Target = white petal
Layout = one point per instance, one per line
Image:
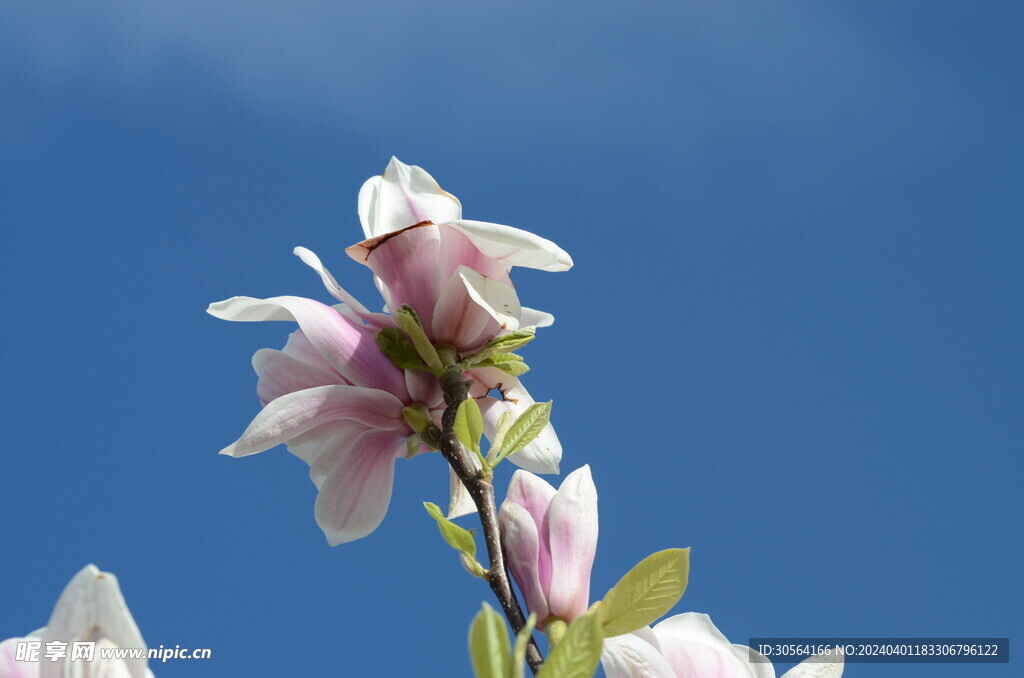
(460, 503)
(515, 246)
(818, 666)
(532, 317)
(90, 608)
(313, 261)
(407, 195)
(472, 309)
(630, 656)
(544, 453)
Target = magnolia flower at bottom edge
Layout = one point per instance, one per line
(690, 646)
(91, 609)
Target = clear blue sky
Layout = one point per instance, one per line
(792, 339)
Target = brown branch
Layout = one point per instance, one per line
(455, 391)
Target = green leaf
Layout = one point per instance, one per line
(397, 348)
(512, 340)
(519, 650)
(500, 431)
(459, 538)
(413, 328)
(488, 645)
(469, 424)
(527, 427)
(647, 591)
(509, 363)
(506, 343)
(579, 651)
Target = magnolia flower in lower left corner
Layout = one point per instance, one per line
(90, 634)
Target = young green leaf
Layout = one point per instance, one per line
(509, 363)
(397, 348)
(488, 645)
(512, 340)
(469, 424)
(410, 324)
(500, 431)
(527, 427)
(458, 538)
(519, 649)
(646, 592)
(579, 651)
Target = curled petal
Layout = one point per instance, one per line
(630, 656)
(348, 347)
(313, 261)
(572, 524)
(354, 496)
(296, 413)
(457, 250)
(280, 374)
(403, 196)
(472, 309)
(520, 535)
(515, 246)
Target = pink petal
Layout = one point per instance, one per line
(280, 374)
(424, 388)
(298, 347)
(296, 413)
(349, 348)
(321, 447)
(534, 495)
(694, 646)
(406, 263)
(10, 667)
(572, 522)
(523, 549)
(354, 496)
(630, 656)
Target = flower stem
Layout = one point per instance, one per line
(455, 391)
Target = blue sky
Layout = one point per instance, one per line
(791, 339)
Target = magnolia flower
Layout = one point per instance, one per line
(455, 274)
(90, 610)
(551, 538)
(690, 646)
(333, 397)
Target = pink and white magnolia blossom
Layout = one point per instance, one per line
(690, 646)
(337, 401)
(455, 274)
(551, 538)
(91, 609)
